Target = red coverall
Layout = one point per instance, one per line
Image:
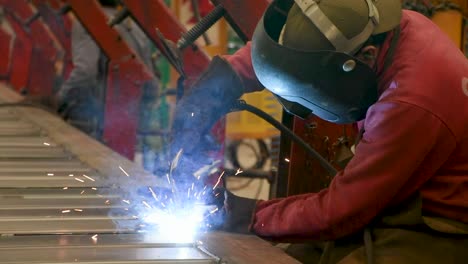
(415, 140)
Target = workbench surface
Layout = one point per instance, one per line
(54, 192)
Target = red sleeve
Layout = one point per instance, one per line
(403, 146)
(241, 61)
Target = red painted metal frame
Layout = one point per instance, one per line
(126, 75)
(7, 40)
(152, 14)
(39, 78)
(60, 25)
(243, 15)
(18, 75)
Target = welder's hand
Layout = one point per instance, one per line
(209, 99)
(239, 212)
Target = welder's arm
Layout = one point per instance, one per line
(401, 149)
(210, 98)
(85, 55)
(241, 61)
(212, 95)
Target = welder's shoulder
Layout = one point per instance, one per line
(437, 83)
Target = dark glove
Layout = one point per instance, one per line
(234, 213)
(239, 212)
(210, 98)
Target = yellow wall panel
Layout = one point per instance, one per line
(451, 22)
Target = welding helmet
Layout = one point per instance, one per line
(303, 51)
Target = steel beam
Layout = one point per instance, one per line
(154, 14)
(40, 75)
(126, 76)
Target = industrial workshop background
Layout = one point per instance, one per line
(36, 48)
(128, 123)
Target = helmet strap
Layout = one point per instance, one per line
(311, 9)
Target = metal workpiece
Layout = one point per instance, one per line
(83, 203)
(77, 225)
(41, 152)
(18, 132)
(58, 193)
(48, 178)
(65, 198)
(16, 124)
(43, 166)
(127, 255)
(15, 141)
(8, 117)
(87, 241)
(97, 248)
(74, 212)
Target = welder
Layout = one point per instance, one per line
(405, 84)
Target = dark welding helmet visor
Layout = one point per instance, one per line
(332, 85)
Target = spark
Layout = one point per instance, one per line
(65, 188)
(94, 188)
(71, 175)
(78, 179)
(193, 185)
(107, 202)
(219, 180)
(46, 144)
(239, 171)
(286, 159)
(78, 210)
(200, 242)
(163, 205)
(94, 238)
(214, 210)
(50, 174)
(180, 224)
(146, 204)
(124, 171)
(65, 211)
(216, 195)
(188, 193)
(193, 114)
(126, 201)
(89, 178)
(83, 191)
(126, 209)
(168, 178)
(153, 194)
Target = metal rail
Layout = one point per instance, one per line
(56, 207)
